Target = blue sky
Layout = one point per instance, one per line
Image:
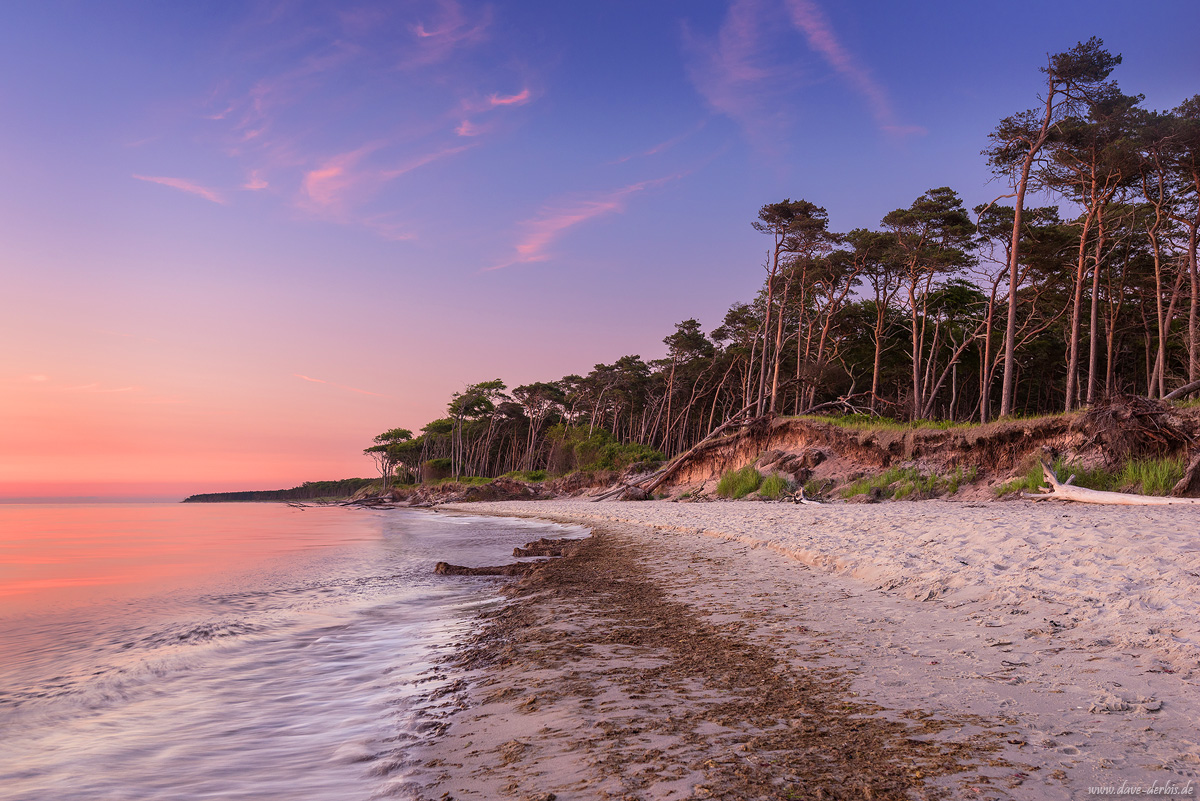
(266, 231)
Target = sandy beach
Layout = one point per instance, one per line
(901, 650)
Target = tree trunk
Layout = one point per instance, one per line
(1094, 321)
(1076, 307)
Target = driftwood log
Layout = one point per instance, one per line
(1066, 491)
(1186, 389)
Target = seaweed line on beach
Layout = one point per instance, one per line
(647, 699)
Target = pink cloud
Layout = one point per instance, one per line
(663, 146)
(255, 182)
(338, 188)
(811, 21)
(519, 99)
(730, 74)
(328, 186)
(468, 128)
(542, 231)
(450, 29)
(339, 386)
(421, 161)
(389, 229)
(183, 186)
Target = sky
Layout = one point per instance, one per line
(239, 239)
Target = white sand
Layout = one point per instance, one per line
(1126, 575)
(1077, 625)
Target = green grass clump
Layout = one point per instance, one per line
(899, 483)
(739, 483)
(1142, 476)
(773, 487)
(817, 489)
(865, 422)
(464, 480)
(959, 477)
(530, 476)
(1152, 476)
(882, 482)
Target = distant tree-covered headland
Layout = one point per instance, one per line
(941, 312)
(308, 491)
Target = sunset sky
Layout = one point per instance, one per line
(237, 240)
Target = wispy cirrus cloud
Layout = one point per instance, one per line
(747, 71)
(446, 30)
(542, 231)
(662, 146)
(183, 186)
(421, 161)
(734, 73)
(338, 386)
(328, 186)
(519, 99)
(341, 182)
(255, 182)
(807, 16)
(468, 128)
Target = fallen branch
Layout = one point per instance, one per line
(1066, 491)
(1183, 391)
(799, 497)
(657, 478)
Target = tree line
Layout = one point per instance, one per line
(938, 312)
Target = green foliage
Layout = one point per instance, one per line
(1151, 476)
(774, 486)
(598, 450)
(531, 476)
(739, 483)
(308, 491)
(900, 483)
(1141, 476)
(865, 422)
(468, 481)
(959, 477)
(817, 489)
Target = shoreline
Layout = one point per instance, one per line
(575, 690)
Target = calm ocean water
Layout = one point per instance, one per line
(233, 651)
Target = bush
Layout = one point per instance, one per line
(739, 483)
(774, 487)
(435, 469)
(573, 448)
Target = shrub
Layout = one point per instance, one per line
(573, 448)
(739, 483)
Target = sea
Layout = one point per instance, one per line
(231, 651)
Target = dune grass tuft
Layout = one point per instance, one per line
(739, 483)
(773, 487)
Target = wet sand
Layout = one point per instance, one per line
(655, 663)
